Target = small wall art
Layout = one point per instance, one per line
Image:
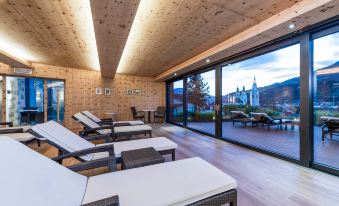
(98, 91)
(107, 91)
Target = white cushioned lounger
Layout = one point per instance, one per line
(98, 120)
(71, 142)
(29, 178)
(123, 129)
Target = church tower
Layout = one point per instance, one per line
(243, 96)
(254, 94)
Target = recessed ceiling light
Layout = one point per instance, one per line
(291, 26)
(175, 74)
(207, 60)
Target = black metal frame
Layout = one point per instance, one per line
(303, 37)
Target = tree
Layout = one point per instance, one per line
(197, 91)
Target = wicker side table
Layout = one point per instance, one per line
(140, 158)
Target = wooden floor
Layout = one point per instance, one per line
(284, 142)
(262, 180)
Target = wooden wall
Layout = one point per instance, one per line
(80, 91)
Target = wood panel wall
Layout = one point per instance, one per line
(80, 91)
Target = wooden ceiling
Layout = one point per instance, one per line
(170, 32)
(150, 38)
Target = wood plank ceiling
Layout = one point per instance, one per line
(144, 39)
(170, 32)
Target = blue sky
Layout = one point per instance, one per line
(277, 66)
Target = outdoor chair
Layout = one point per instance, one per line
(109, 121)
(137, 115)
(160, 114)
(240, 116)
(114, 131)
(264, 119)
(68, 142)
(29, 178)
(330, 125)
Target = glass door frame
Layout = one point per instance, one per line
(312, 36)
(304, 38)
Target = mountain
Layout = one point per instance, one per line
(178, 91)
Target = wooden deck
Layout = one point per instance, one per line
(284, 142)
(262, 180)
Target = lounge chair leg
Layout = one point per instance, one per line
(173, 155)
(39, 142)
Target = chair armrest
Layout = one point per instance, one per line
(102, 162)
(103, 148)
(106, 119)
(9, 124)
(110, 201)
(106, 137)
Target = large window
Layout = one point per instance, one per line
(201, 101)
(56, 104)
(176, 100)
(326, 100)
(24, 100)
(260, 98)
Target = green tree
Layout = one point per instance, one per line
(197, 91)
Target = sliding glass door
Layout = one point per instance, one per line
(176, 102)
(260, 101)
(200, 95)
(24, 100)
(56, 104)
(326, 100)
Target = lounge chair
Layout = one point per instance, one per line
(115, 132)
(18, 133)
(264, 119)
(109, 121)
(68, 142)
(29, 178)
(330, 125)
(240, 116)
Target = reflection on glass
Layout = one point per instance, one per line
(24, 100)
(261, 101)
(176, 95)
(201, 101)
(326, 100)
(55, 105)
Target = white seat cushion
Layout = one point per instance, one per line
(124, 129)
(158, 143)
(172, 183)
(135, 122)
(132, 128)
(29, 178)
(21, 137)
(92, 116)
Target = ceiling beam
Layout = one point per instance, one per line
(112, 22)
(13, 61)
(260, 32)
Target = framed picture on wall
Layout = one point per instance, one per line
(137, 92)
(129, 91)
(98, 90)
(107, 91)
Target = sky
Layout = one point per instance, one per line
(273, 67)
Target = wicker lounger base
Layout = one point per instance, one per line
(219, 199)
(115, 135)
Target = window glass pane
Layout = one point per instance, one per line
(200, 102)
(24, 100)
(260, 98)
(55, 101)
(176, 95)
(326, 100)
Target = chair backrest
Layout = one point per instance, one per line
(239, 114)
(29, 178)
(134, 111)
(87, 122)
(91, 116)
(261, 116)
(161, 110)
(64, 138)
